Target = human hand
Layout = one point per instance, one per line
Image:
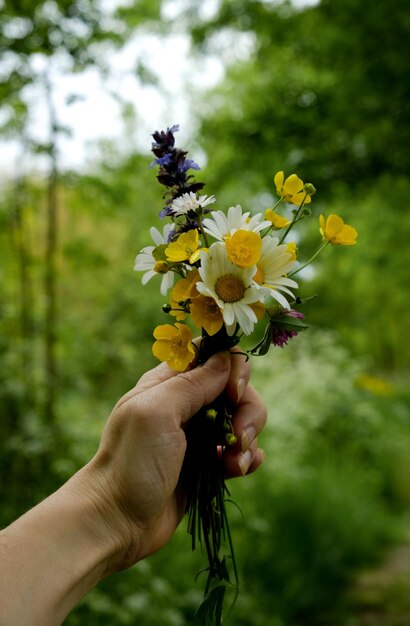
(126, 503)
(134, 475)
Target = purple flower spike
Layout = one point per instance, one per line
(173, 168)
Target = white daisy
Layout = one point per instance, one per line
(230, 286)
(221, 226)
(273, 265)
(190, 202)
(145, 261)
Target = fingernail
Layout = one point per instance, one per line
(244, 461)
(219, 361)
(248, 436)
(262, 454)
(240, 388)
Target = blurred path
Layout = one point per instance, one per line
(381, 596)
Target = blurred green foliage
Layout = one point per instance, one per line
(323, 93)
(318, 96)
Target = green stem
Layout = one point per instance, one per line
(204, 482)
(312, 258)
(296, 217)
(203, 233)
(230, 542)
(277, 204)
(267, 231)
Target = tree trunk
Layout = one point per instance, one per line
(20, 241)
(50, 273)
(26, 296)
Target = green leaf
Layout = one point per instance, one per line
(289, 323)
(209, 613)
(263, 346)
(159, 252)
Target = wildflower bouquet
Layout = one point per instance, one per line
(226, 275)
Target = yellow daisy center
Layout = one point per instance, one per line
(229, 288)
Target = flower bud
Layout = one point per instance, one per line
(309, 189)
(211, 414)
(230, 439)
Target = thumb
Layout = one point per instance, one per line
(183, 395)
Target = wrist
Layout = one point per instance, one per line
(103, 521)
(76, 533)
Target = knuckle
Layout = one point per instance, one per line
(191, 386)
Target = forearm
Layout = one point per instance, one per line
(53, 555)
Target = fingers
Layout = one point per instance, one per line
(237, 382)
(239, 377)
(243, 463)
(257, 461)
(249, 418)
(181, 396)
(248, 421)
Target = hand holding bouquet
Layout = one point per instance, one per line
(224, 274)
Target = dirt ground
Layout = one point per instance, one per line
(381, 596)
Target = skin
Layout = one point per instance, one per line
(125, 504)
